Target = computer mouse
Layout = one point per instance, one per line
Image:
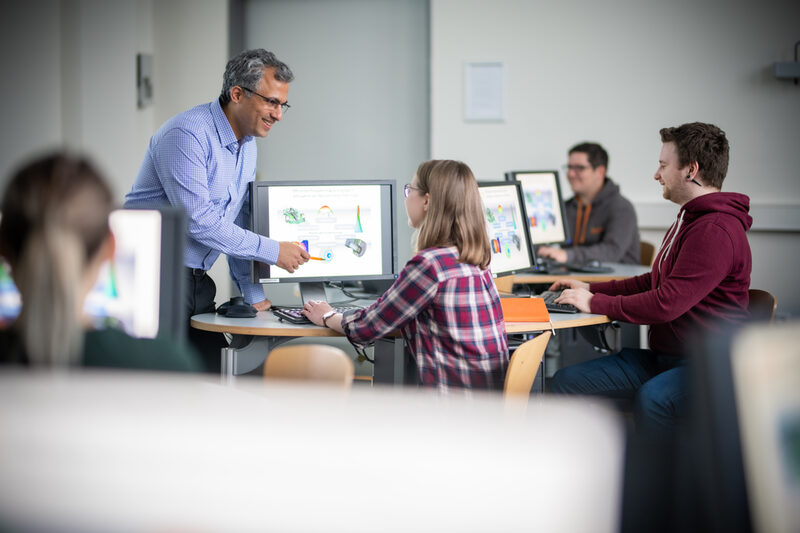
(237, 308)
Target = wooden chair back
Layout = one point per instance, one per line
(524, 365)
(504, 284)
(648, 252)
(762, 305)
(314, 362)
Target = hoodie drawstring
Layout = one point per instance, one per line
(668, 247)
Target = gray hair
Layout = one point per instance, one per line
(246, 69)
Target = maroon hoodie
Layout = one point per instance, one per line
(699, 280)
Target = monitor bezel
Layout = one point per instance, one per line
(259, 220)
(172, 320)
(527, 229)
(512, 176)
(172, 285)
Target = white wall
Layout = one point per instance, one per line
(191, 50)
(29, 82)
(360, 95)
(616, 73)
(69, 78)
(359, 98)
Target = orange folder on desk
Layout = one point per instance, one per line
(524, 310)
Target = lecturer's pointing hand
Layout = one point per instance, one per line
(291, 256)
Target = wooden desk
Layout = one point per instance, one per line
(621, 271)
(253, 338)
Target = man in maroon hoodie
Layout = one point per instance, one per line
(699, 282)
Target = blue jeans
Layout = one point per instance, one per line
(655, 383)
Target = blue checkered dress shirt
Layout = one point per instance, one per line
(195, 162)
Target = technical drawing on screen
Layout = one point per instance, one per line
(347, 227)
(507, 227)
(543, 202)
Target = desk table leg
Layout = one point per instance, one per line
(245, 354)
(228, 365)
(390, 361)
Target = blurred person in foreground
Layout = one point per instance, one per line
(54, 234)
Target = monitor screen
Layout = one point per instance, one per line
(348, 228)
(141, 289)
(543, 203)
(507, 227)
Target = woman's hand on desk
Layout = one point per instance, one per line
(579, 297)
(315, 310)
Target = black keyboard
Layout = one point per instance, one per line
(294, 315)
(549, 298)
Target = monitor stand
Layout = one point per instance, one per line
(312, 290)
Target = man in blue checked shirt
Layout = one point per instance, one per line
(202, 160)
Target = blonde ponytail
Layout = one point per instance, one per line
(55, 221)
(49, 281)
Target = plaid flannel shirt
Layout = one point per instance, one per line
(450, 317)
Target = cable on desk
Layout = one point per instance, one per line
(350, 294)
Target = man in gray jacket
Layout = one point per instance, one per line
(603, 223)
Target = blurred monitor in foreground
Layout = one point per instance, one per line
(141, 290)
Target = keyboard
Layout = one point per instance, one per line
(294, 315)
(549, 298)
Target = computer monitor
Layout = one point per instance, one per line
(544, 205)
(348, 228)
(506, 223)
(141, 290)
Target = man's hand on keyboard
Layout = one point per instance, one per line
(568, 283)
(579, 297)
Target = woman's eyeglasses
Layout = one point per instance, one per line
(407, 189)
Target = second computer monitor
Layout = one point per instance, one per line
(507, 227)
(544, 205)
(347, 227)
(141, 290)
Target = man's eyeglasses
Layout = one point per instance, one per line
(271, 102)
(576, 168)
(407, 189)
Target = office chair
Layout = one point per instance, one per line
(762, 305)
(523, 367)
(314, 362)
(648, 252)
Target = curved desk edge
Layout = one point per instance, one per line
(573, 321)
(264, 324)
(254, 326)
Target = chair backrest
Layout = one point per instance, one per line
(315, 362)
(504, 284)
(762, 305)
(524, 365)
(648, 251)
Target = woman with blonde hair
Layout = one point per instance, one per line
(54, 235)
(444, 302)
